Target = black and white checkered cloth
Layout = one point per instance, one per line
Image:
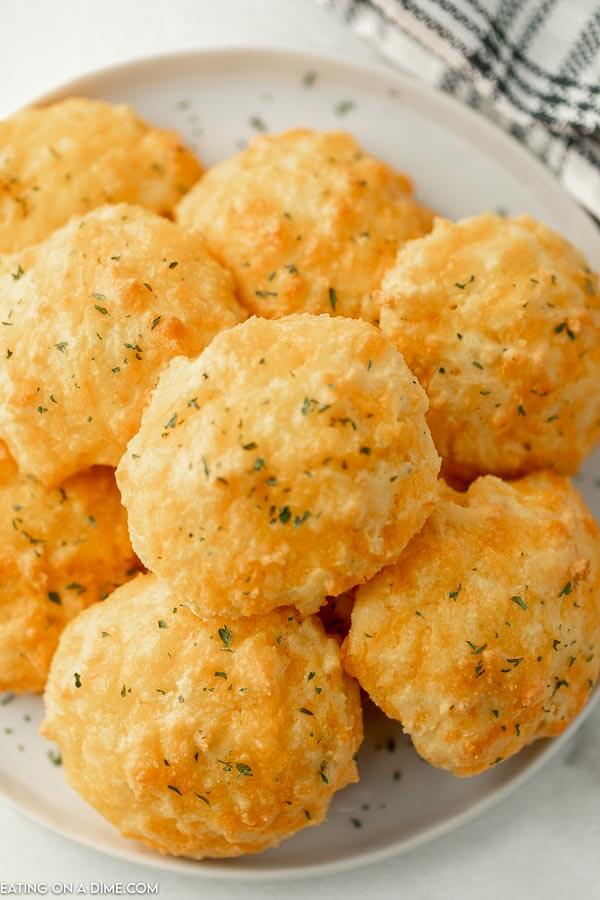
(532, 66)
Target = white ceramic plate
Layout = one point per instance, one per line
(461, 165)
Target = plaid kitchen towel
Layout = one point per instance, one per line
(532, 66)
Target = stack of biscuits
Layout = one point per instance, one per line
(271, 434)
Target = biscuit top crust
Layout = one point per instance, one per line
(224, 736)
(307, 222)
(290, 461)
(68, 158)
(500, 320)
(90, 317)
(486, 633)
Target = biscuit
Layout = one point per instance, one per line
(486, 634)
(223, 737)
(307, 222)
(72, 156)
(89, 318)
(289, 462)
(500, 321)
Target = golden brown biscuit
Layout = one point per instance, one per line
(307, 222)
(224, 737)
(500, 321)
(60, 550)
(89, 318)
(486, 634)
(68, 158)
(289, 462)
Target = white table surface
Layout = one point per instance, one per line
(542, 843)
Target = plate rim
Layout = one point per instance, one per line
(518, 158)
